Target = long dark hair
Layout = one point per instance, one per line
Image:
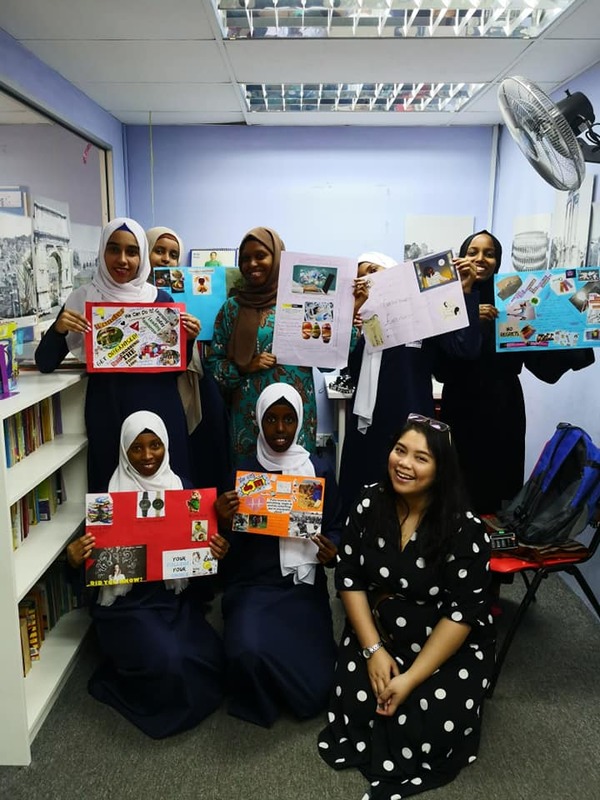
(447, 496)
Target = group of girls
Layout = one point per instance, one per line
(405, 699)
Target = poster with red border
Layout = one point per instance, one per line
(129, 337)
(279, 505)
(150, 536)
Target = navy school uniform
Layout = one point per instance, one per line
(278, 635)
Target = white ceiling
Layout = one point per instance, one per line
(139, 56)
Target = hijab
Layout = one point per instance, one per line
(368, 379)
(187, 382)
(126, 479)
(486, 288)
(297, 557)
(102, 287)
(252, 299)
(154, 234)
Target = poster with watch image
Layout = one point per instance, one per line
(150, 535)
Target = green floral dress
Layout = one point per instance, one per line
(242, 391)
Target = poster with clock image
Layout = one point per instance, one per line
(150, 535)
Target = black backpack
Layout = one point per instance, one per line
(561, 496)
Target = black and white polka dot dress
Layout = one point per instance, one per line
(435, 732)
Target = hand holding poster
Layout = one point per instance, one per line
(135, 338)
(556, 310)
(150, 536)
(314, 309)
(279, 505)
(413, 301)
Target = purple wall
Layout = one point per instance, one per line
(329, 190)
(520, 190)
(29, 77)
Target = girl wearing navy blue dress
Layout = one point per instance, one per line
(121, 277)
(278, 632)
(417, 652)
(163, 662)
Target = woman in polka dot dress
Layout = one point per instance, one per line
(417, 652)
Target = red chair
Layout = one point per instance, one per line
(540, 566)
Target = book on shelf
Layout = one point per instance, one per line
(38, 505)
(25, 653)
(28, 429)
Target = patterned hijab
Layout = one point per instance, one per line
(252, 299)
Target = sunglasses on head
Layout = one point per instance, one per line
(436, 424)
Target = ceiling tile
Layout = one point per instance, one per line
(182, 118)
(555, 60)
(105, 19)
(133, 62)
(115, 97)
(579, 23)
(353, 61)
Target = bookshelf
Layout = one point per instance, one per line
(25, 701)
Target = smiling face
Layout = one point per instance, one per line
(411, 466)
(482, 253)
(122, 256)
(256, 263)
(146, 454)
(165, 252)
(279, 425)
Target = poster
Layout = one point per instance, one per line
(279, 505)
(413, 301)
(150, 536)
(135, 338)
(314, 309)
(203, 290)
(554, 309)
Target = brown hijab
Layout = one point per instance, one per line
(252, 299)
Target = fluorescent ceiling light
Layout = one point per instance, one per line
(398, 97)
(282, 19)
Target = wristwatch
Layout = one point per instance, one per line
(145, 504)
(368, 651)
(158, 504)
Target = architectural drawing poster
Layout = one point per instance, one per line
(279, 505)
(135, 338)
(314, 309)
(553, 309)
(150, 536)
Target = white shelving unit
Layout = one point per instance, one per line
(25, 701)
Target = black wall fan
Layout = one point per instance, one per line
(551, 135)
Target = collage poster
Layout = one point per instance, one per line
(203, 290)
(150, 536)
(553, 309)
(314, 309)
(413, 301)
(135, 338)
(279, 505)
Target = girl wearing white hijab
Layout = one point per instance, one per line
(164, 662)
(165, 247)
(278, 631)
(392, 383)
(121, 277)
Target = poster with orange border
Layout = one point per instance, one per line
(279, 505)
(129, 337)
(150, 536)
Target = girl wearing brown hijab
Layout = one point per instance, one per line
(241, 357)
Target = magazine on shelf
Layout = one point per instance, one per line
(150, 535)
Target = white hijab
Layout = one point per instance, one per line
(126, 479)
(103, 288)
(187, 382)
(368, 379)
(297, 557)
